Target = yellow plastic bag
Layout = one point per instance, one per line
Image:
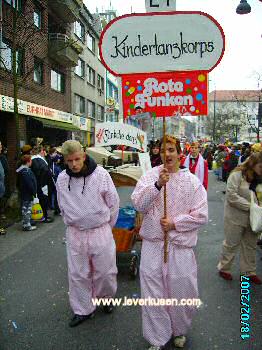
(214, 165)
(37, 212)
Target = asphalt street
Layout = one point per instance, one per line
(34, 307)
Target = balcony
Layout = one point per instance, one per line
(68, 10)
(63, 49)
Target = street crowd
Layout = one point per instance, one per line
(68, 181)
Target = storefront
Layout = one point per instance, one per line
(34, 120)
(52, 125)
(52, 132)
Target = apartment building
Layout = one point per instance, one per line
(45, 55)
(88, 77)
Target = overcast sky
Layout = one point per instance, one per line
(242, 60)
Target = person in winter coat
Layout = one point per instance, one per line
(52, 160)
(26, 183)
(43, 177)
(155, 155)
(238, 233)
(187, 211)
(89, 205)
(2, 189)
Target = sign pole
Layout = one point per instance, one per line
(165, 194)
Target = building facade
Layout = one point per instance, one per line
(233, 115)
(45, 55)
(88, 77)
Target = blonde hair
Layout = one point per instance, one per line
(70, 147)
(247, 168)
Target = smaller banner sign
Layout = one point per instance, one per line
(107, 134)
(165, 94)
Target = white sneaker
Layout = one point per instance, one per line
(154, 348)
(180, 341)
(30, 228)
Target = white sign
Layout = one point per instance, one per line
(144, 161)
(111, 133)
(162, 42)
(160, 5)
(32, 109)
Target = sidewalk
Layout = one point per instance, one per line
(16, 238)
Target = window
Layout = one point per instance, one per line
(6, 57)
(100, 83)
(79, 104)
(100, 113)
(90, 109)
(57, 81)
(91, 75)
(79, 30)
(90, 42)
(37, 18)
(80, 68)
(17, 4)
(38, 71)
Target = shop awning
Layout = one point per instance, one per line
(47, 123)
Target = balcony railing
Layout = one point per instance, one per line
(68, 10)
(63, 49)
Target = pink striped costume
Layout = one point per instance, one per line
(91, 254)
(187, 208)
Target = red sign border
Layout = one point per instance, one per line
(160, 14)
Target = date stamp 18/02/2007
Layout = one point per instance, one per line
(244, 308)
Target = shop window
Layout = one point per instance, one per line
(79, 30)
(80, 68)
(38, 17)
(57, 81)
(90, 42)
(79, 104)
(38, 71)
(91, 75)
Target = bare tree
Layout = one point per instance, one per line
(23, 36)
(225, 117)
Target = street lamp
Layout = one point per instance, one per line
(243, 8)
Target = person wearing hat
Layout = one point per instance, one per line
(197, 164)
(89, 205)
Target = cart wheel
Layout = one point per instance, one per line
(133, 269)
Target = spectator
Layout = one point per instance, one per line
(155, 155)
(237, 228)
(2, 190)
(5, 165)
(43, 177)
(27, 186)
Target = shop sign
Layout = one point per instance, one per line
(110, 101)
(112, 133)
(32, 109)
